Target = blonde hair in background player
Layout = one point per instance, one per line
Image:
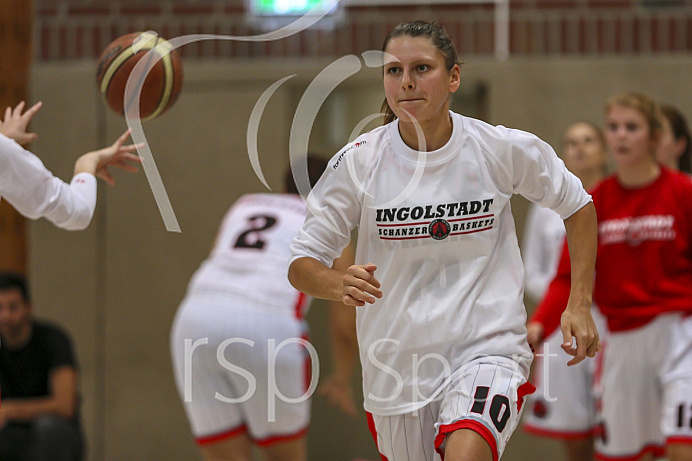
(33, 190)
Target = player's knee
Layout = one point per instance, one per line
(467, 445)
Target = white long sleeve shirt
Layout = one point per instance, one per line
(439, 227)
(34, 192)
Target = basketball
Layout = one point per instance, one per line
(158, 90)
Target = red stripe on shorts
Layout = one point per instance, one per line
(299, 307)
(471, 424)
(307, 367)
(525, 389)
(373, 431)
(679, 440)
(206, 440)
(281, 438)
(562, 435)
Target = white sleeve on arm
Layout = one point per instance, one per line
(334, 208)
(542, 177)
(34, 192)
(538, 260)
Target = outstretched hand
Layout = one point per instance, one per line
(360, 285)
(116, 155)
(15, 123)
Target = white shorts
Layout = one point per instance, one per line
(241, 370)
(564, 404)
(647, 389)
(486, 396)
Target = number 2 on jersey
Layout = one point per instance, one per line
(252, 237)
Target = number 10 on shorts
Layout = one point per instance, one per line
(499, 411)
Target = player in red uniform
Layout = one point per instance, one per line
(643, 286)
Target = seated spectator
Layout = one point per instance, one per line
(39, 416)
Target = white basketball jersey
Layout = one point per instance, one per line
(439, 227)
(250, 256)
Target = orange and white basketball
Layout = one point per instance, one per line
(157, 90)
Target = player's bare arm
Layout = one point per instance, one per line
(61, 400)
(535, 333)
(315, 279)
(582, 238)
(337, 387)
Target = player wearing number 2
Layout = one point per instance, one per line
(439, 280)
(229, 334)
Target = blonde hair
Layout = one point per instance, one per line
(642, 104)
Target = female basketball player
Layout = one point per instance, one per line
(643, 287)
(441, 327)
(239, 309)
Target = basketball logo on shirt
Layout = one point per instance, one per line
(439, 229)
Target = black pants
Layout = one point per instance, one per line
(48, 438)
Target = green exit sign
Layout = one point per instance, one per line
(291, 7)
